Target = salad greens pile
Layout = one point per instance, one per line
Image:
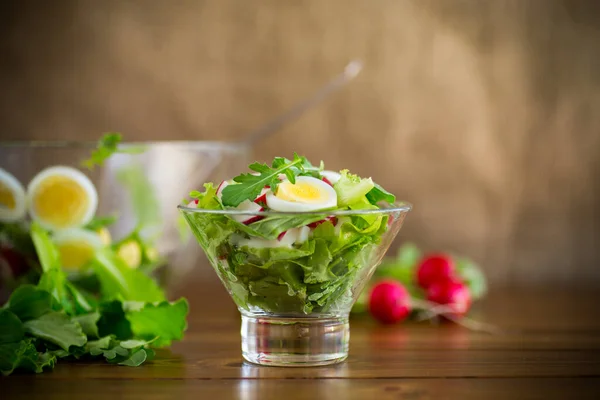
(317, 275)
(111, 310)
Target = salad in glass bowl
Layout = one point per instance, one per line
(294, 245)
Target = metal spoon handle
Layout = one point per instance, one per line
(349, 73)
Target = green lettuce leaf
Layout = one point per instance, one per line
(28, 302)
(45, 249)
(12, 328)
(351, 188)
(88, 323)
(58, 328)
(378, 194)
(118, 281)
(164, 321)
(22, 355)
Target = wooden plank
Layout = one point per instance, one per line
(250, 389)
(224, 362)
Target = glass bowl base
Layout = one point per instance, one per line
(294, 341)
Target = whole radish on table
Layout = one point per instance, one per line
(437, 284)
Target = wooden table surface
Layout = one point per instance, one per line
(550, 350)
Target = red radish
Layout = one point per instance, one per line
(331, 219)
(254, 219)
(435, 268)
(196, 201)
(451, 293)
(219, 187)
(389, 302)
(262, 197)
(281, 235)
(327, 181)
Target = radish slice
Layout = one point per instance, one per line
(331, 219)
(331, 176)
(251, 207)
(281, 235)
(220, 188)
(193, 204)
(262, 197)
(324, 179)
(303, 234)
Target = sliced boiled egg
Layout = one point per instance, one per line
(331, 176)
(13, 202)
(307, 194)
(76, 247)
(62, 198)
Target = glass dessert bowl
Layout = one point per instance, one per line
(294, 276)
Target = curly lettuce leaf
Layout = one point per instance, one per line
(23, 355)
(162, 322)
(352, 188)
(58, 328)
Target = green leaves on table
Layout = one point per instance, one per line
(57, 319)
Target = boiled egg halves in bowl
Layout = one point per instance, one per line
(61, 198)
(13, 202)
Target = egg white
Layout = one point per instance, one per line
(79, 177)
(330, 197)
(331, 176)
(18, 192)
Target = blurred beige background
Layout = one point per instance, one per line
(484, 114)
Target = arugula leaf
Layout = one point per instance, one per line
(28, 302)
(23, 355)
(272, 226)
(58, 328)
(12, 328)
(107, 146)
(165, 320)
(249, 186)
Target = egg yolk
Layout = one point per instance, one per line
(299, 192)
(7, 198)
(60, 201)
(75, 255)
(131, 253)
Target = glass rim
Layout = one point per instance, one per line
(88, 144)
(400, 206)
